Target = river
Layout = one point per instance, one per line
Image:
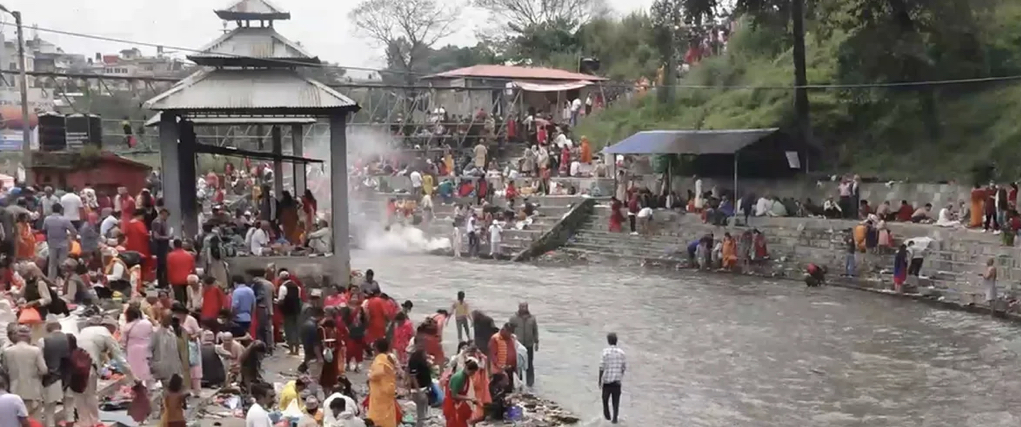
(720, 350)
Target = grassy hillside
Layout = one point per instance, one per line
(931, 133)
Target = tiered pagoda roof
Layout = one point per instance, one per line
(251, 69)
(253, 10)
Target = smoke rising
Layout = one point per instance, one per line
(366, 212)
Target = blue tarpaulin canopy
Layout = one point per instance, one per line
(695, 142)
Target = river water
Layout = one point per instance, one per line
(719, 350)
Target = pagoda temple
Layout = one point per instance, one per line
(249, 76)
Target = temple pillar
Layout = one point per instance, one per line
(338, 199)
(170, 170)
(298, 149)
(278, 163)
(189, 172)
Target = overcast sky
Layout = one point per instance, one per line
(322, 26)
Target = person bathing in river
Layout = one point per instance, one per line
(900, 268)
(759, 250)
(815, 275)
(729, 256)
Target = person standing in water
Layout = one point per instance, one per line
(989, 282)
(461, 311)
(612, 365)
(527, 330)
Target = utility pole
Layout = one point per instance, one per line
(801, 107)
(26, 126)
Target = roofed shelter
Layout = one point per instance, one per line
(248, 76)
(540, 86)
(759, 152)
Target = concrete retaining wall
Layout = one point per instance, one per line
(954, 261)
(560, 233)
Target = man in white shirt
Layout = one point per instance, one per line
(416, 183)
(612, 365)
(72, 207)
(473, 237)
(257, 415)
(575, 108)
(495, 236)
(13, 412)
(260, 239)
(48, 200)
(97, 340)
(109, 222)
(588, 104)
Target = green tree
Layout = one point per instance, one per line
(406, 29)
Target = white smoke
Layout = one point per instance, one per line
(367, 216)
(402, 239)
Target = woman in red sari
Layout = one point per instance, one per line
(616, 218)
(354, 322)
(458, 406)
(330, 335)
(403, 332)
(759, 246)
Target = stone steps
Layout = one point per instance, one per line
(953, 261)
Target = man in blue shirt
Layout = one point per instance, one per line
(243, 305)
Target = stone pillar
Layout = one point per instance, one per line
(338, 199)
(189, 201)
(278, 164)
(297, 139)
(170, 173)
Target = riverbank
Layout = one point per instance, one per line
(950, 269)
(218, 408)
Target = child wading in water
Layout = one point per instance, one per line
(174, 403)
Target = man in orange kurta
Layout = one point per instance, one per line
(376, 309)
(503, 353)
(136, 235)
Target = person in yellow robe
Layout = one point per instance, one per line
(978, 198)
(586, 151)
(427, 184)
(383, 387)
(729, 251)
(448, 162)
(859, 237)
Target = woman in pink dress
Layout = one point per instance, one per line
(136, 339)
(192, 334)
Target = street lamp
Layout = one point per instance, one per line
(26, 129)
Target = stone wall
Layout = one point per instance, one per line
(915, 193)
(309, 269)
(953, 263)
(560, 233)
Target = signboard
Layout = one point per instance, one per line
(39, 99)
(10, 139)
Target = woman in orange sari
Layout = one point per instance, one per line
(457, 407)
(383, 409)
(479, 385)
(729, 251)
(26, 239)
(978, 197)
(586, 151)
(287, 214)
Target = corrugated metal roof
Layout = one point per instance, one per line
(249, 89)
(696, 142)
(253, 7)
(155, 120)
(514, 72)
(253, 42)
